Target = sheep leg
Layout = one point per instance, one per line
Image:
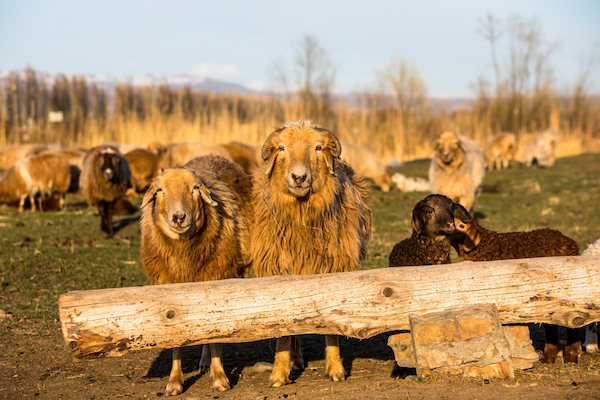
(205, 359)
(551, 347)
(22, 203)
(591, 338)
(281, 367)
(175, 385)
(296, 359)
(333, 362)
(217, 373)
(573, 347)
(105, 209)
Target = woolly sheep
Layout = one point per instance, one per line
(475, 243)
(16, 152)
(457, 169)
(245, 155)
(144, 166)
(429, 244)
(178, 154)
(196, 227)
(40, 174)
(411, 184)
(105, 178)
(366, 163)
(311, 216)
(500, 151)
(543, 152)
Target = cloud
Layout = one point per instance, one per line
(257, 85)
(213, 70)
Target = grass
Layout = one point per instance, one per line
(43, 255)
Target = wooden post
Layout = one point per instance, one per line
(557, 290)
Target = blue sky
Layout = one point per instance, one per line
(237, 41)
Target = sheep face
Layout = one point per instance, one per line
(449, 149)
(300, 155)
(178, 198)
(467, 236)
(109, 163)
(433, 217)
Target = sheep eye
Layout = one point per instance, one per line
(430, 211)
(319, 147)
(158, 190)
(196, 187)
(280, 148)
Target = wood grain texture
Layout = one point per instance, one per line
(96, 323)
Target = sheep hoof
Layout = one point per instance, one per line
(550, 352)
(174, 388)
(277, 380)
(221, 384)
(336, 374)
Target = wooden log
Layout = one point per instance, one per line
(558, 290)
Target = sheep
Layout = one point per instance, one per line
(244, 155)
(429, 244)
(591, 330)
(144, 166)
(411, 184)
(542, 152)
(500, 151)
(311, 216)
(105, 177)
(178, 154)
(366, 163)
(16, 152)
(457, 169)
(476, 243)
(195, 226)
(40, 174)
(75, 158)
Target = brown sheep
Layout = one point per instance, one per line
(178, 154)
(457, 169)
(144, 166)
(245, 155)
(475, 243)
(432, 223)
(16, 152)
(311, 216)
(366, 163)
(196, 227)
(105, 178)
(500, 151)
(75, 158)
(40, 174)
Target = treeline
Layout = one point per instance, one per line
(75, 112)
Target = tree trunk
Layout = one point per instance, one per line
(558, 290)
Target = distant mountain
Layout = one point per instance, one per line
(108, 82)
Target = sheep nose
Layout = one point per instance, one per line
(451, 225)
(299, 178)
(178, 218)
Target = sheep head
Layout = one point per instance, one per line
(178, 197)
(433, 218)
(467, 236)
(300, 155)
(449, 149)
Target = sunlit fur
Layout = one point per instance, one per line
(500, 151)
(212, 242)
(324, 230)
(144, 166)
(365, 162)
(40, 174)
(457, 169)
(476, 243)
(245, 155)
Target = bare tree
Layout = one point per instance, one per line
(402, 78)
(490, 30)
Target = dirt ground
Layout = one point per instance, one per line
(35, 364)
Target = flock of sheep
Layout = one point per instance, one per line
(297, 204)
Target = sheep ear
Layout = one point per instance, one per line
(332, 149)
(205, 193)
(471, 241)
(149, 196)
(417, 219)
(269, 151)
(436, 146)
